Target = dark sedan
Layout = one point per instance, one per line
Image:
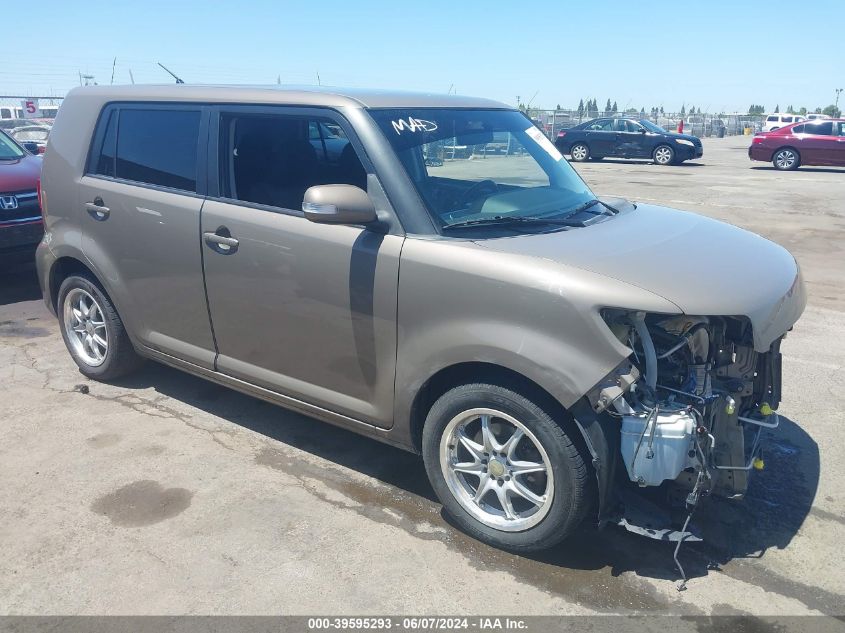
(804, 143)
(621, 137)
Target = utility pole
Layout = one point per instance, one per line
(836, 105)
(112, 70)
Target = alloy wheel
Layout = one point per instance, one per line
(497, 469)
(663, 155)
(579, 152)
(785, 159)
(85, 327)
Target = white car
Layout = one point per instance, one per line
(815, 116)
(775, 121)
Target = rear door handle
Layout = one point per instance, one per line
(221, 243)
(97, 209)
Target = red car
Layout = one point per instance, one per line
(21, 225)
(819, 142)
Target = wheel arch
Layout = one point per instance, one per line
(61, 269)
(483, 372)
(792, 147)
(595, 440)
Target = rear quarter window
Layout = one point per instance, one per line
(155, 146)
(158, 147)
(798, 129)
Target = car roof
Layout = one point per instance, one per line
(290, 95)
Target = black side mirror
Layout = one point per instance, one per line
(32, 148)
(338, 204)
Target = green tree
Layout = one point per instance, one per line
(615, 108)
(756, 109)
(557, 107)
(607, 107)
(790, 110)
(777, 109)
(580, 108)
(832, 110)
(642, 111)
(683, 109)
(802, 111)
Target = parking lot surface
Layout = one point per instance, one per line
(166, 494)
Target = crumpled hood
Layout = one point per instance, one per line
(703, 266)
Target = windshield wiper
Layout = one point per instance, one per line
(504, 220)
(591, 203)
(501, 220)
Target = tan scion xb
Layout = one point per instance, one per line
(427, 271)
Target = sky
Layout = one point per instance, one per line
(719, 56)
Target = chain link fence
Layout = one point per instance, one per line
(699, 124)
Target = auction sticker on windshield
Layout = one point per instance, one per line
(543, 142)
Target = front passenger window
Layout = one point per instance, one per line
(272, 160)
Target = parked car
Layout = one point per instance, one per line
(627, 138)
(381, 298)
(772, 122)
(35, 134)
(814, 116)
(21, 227)
(819, 142)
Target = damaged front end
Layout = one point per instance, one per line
(681, 419)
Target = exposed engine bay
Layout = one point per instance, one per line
(691, 405)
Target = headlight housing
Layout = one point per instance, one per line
(684, 141)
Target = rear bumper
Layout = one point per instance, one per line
(758, 152)
(19, 235)
(44, 260)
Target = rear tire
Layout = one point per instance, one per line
(663, 155)
(518, 511)
(579, 152)
(93, 331)
(786, 159)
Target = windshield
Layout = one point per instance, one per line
(8, 148)
(652, 127)
(482, 164)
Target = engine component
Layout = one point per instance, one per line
(656, 446)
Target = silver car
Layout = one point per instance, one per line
(548, 352)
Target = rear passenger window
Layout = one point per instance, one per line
(821, 129)
(158, 147)
(798, 129)
(272, 160)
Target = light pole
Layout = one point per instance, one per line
(836, 105)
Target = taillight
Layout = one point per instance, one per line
(758, 139)
(561, 134)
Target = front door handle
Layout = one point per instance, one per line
(221, 241)
(97, 209)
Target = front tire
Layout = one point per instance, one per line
(579, 152)
(663, 155)
(786, 159)
(92, 330)
(504, 468)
